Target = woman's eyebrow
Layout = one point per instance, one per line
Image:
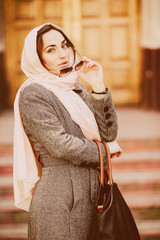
(54, 45)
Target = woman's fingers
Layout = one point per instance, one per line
(89, 62)
(92, 64)
(113, 155)
(118, 154)
(85, 59)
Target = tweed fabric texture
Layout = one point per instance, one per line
(64, 198)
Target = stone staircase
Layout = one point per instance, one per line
(137, 173)
(13, 221)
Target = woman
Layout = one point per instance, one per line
(57, 119)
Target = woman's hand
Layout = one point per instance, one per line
(114, 149)
(118, 154)
(93, 74)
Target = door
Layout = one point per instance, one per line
(103, 30)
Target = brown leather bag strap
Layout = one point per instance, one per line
(101, 161)
(109, 169)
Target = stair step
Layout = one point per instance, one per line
(6, 192)
(13, 217)
(139, 177)
(6, 170)
(7, 205)
(148, 187)
(132, 162)
(13, 232)
(149, 230)
(6, 160)
(139, 145)
(150, 213)
(136, 156)
(9, 214)
(6, 187)
(144, 200)
(150, 237)
(6, 181)
(6, 165)
(6, 149)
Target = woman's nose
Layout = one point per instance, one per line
(61, 53)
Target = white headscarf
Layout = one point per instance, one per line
(25, 169)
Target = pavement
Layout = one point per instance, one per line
(134, 123)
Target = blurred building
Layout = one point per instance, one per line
(150, 42)
(4, 88)
(104, 30)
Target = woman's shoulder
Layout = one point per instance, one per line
(32, 89)
(34, 98)
(32, 92)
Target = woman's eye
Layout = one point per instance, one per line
(51, 50)
(65, 45)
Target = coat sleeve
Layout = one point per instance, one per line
(104, 112)
(41, 121)
(106, 117)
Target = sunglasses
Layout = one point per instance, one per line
(65, 71)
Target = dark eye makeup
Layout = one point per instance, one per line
(64, 44)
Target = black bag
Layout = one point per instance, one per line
(113, 219)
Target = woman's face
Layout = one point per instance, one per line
(55, 51)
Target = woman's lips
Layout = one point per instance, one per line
(63, 64)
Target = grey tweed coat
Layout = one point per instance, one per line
(64, 198)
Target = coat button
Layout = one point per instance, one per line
(109, 124)
(107, 116)
(106, 109)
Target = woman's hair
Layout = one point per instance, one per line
(46, 28)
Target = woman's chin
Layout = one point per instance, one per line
(54, 72)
